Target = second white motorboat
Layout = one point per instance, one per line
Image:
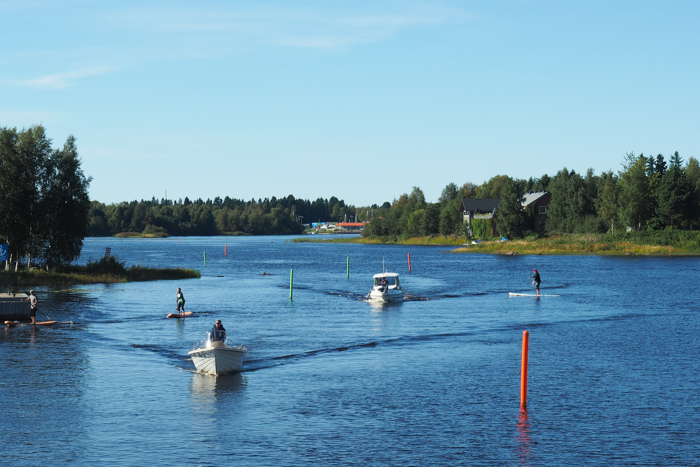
(386, 288)
(217, 357)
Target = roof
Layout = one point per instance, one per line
(386, 274)
(529, 198)
(480, 206)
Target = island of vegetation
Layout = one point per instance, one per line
(105, 271)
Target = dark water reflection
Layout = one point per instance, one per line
(332, 380)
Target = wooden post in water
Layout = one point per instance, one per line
(347, 273)
(523, 372)
(291, 283)
(409, 262)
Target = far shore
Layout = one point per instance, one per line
(555, 245)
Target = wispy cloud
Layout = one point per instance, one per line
(62, 80)
(321, 27)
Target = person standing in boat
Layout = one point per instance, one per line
(32, 305)
(218, 332)
(536, 280)
(180, 300)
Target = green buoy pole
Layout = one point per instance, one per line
(291, 283)
(348, 269)
(205, 259)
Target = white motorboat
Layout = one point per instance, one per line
(217, 357)
(386, 288)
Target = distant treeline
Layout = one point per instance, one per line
(225, 216)
(649, 194)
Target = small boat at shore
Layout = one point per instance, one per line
(386, 288)
(217, 357)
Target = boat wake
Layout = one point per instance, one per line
(261, 364)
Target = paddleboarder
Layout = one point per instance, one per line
(536, 280)
(218, 332)
(180, 300)
(32, 305)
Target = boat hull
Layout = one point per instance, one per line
(218, 361)
(389, 296)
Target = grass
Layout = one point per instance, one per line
(662, 243)
(577, 245)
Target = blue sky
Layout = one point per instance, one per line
(361, 100)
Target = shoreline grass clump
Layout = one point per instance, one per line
(105, 271)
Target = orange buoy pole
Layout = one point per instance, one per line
(409, 262)
(523, 373)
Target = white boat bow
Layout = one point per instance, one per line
(217, 357)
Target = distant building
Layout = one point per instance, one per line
(539, 200)
(479, 209)
(536, 204)
(350, 227)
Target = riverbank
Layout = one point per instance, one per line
(556, 246)
(438, 240)
(664, 243)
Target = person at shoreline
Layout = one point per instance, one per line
(33, 302)
(180, 300)
(536, 280)
(218, 332)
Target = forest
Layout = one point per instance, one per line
(226, 216)
(647, 194)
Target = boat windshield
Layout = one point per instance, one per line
(390, 281)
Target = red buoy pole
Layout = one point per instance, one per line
(523, 373)
(224, 249)
(409, 262)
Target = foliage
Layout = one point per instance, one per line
(481, 228)
(635, 202)
(570, 202)
(109, 265)
(43, 196)
(510, 218)
(450, 218)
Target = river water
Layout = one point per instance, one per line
(330, 379)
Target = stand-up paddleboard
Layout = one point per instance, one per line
(45, 323)
(11, 324)
(513, 294)
(180, 315)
